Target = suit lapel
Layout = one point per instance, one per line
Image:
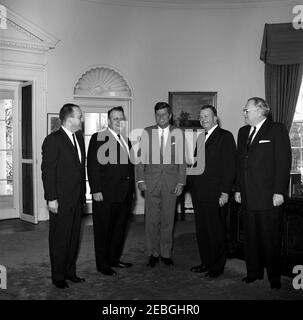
(154, 143)
(260, 133)
(70, 145)
(82, 146)
(212, 137)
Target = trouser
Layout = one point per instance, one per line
(210, 221)
(110, 222)
(159, 220)
(262, 242)
(64, 236)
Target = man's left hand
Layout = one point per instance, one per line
(223, 199)
(178, 189)
(277, 199)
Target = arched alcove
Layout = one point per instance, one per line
(102, 82)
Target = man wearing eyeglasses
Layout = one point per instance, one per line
(264, 163)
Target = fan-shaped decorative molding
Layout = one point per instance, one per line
(102, 82)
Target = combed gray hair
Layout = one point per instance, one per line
(261, 103)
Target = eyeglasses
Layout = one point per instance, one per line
(245, 111)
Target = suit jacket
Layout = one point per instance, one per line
(114, 178)
(173, 168)
(220, 168)
(63, 175)
(264, 168)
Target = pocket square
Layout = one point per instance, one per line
(264, 141)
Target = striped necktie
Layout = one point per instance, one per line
(249, 139)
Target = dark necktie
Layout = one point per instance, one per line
(75, 145)
(121, 142)
(249, 139)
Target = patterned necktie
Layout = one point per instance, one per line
(249, 139)
(162, 146)
(75, 145)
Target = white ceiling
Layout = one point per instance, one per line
(199, 3)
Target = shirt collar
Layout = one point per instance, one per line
(258, 126)
(165, 130)
(68, 132)
(210, 131)
(113, 132)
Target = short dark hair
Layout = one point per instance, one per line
(163, 105)
(211, 107)
(66, 111)
(260, 102)
(119, 108)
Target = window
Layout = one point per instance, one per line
(93, 122)
(296, 137)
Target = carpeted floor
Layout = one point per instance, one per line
(25, 255)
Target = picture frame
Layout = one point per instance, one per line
(53, 122)
(186, 107)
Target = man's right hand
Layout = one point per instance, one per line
(53, 206)
(142, 186)
(98, 196)
(238, 197)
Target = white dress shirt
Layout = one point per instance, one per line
(258, 126)
(70, 135)
(209, 132)
(165, 134)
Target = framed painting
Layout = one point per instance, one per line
(186, 107)
(53, 122)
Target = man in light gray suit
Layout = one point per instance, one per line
(161, 175)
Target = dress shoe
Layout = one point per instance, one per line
(213, 274)
(152, 261)
(252, 279)
(108, 271)
(75, 279)
(168, 261)
(249, 279)
(61, 284)
(199, 269)
(275, 284)
(121, 264)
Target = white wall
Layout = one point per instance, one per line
(158, 49)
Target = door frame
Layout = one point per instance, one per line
(13, 72)
(26, 217)
(15, 211)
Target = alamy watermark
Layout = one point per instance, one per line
(3, 17)
(180, 148)
(297, 281)
(3, 277)
(297, 21)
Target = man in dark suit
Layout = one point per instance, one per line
(264, 163)
(63, 175)
(210, 191)
(161, 176)
(111, 179)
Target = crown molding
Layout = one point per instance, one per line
(34, 37)
(207, 4)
